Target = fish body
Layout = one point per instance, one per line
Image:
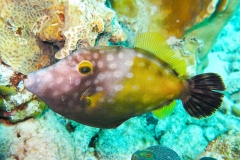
(105, 86)
(124, 83)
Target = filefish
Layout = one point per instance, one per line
(105, 86)
(156, 153)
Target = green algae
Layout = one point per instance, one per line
(7, 90)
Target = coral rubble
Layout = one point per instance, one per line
(224, 147)
(16, 103)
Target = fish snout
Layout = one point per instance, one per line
(28, 83)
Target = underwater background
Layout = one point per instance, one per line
(30, 40)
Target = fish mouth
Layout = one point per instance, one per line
(28, 83)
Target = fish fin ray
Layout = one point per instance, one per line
(203, 97)
(165, 111)
(155, 43)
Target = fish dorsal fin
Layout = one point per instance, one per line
(155, 43)
(165, 111)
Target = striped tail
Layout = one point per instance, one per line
(201, 97)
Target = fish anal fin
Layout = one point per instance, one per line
(155, 43)
(165, 111)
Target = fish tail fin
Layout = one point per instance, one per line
(201, 98)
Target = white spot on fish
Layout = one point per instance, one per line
(149, 78)
(67, 88)
(110, 101)
(75, 95)
(141, 64)
(70, 80)
(102, 51)
(63, 98)
(48, 77)
(77, 82)
(121, 55)
(100, 76)
(135, 87)
(96, 81)
(110, 57)
(129, 75)
(88, 83)
(118, 87)
(55, 93)
(139, 55)
(112, 66)
(129, 63)
(167, 71)
(99, 89)
(38, 80)
(59, 80)
(93, 63)
(85, 51)
(95, 55)
(70, 104)
(117, 74)
(100, 64)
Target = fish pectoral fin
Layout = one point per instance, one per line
(165, 111)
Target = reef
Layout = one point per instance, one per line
(50, 31)
(16, 103)
(34, 32)
(225, 146)
(191, 31)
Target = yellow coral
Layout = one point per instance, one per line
(30, 29)
(84, 21)
(19, 46)
(52, 24)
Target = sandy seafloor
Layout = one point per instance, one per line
(53, 137)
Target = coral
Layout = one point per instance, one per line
(195, 29)
(225, 147)
(49, 27)
(19, 47)
(32, 31)
(90, 19)
(16, 103)
(236, 110)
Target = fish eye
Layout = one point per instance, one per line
(85, 67)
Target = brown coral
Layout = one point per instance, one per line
(197, 23)
(224, 147)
